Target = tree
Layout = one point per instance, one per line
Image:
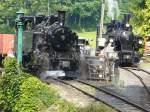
(141, 15)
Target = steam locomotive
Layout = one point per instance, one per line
(49, 44)
(125, 43)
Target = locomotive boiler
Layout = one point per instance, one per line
(51, 45)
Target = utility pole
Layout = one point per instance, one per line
(102, 18)
(61, 3)
(48, 7)
(100, 41)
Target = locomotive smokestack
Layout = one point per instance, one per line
(126, 18)
(61, 16)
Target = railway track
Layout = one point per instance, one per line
(113, 100)
(144, 81)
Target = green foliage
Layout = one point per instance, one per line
(96, 107)
(11, 66)
(89, 35)
(79, 13)
(21, 92)
(140, 20)
(10, 84)
(6, 29)
(34, 96)
(64, 106)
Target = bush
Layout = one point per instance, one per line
(6, 29)
(21, 92)
(34, 96)
(10, 84)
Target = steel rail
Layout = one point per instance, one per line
(85, 93)
(144, 71)
(138, 69)
(140, 78)
(115, 95)
(103, 91)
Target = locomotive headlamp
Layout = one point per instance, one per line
(140, 42)
(124, 34)
(100, 66)
(127, 25)
(111, 40)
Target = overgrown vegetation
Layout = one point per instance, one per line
(96, 107)
(141, 15)
(6, 29)
(21, 92)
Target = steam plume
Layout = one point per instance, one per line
(113, 9)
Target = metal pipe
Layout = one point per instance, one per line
(20, 36)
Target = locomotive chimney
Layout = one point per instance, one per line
(61, 16)
(126, 18)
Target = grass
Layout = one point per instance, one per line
(96, 107)
(89, 35)
(147, 59)
(146, 63)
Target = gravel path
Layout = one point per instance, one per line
(72, 95)
(129, 86)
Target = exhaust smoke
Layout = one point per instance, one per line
(113, 9)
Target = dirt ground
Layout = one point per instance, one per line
(72, 95)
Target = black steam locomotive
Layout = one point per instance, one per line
(125, 43)
(49, 44)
